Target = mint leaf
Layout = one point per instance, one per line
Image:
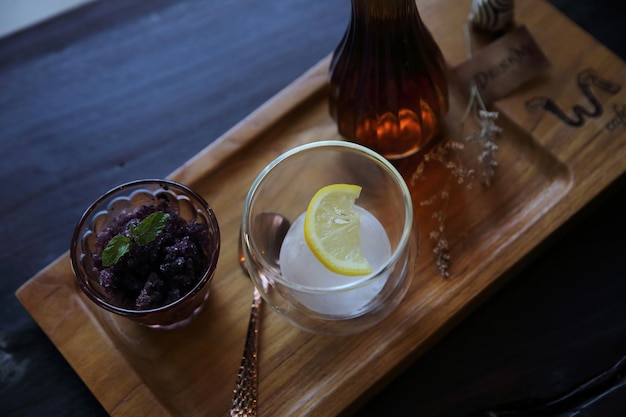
(116, 248)
(145, 232)
(149, 228)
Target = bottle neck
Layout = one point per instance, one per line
(387, 10)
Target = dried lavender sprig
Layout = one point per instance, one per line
(486, 136)
(441, 153)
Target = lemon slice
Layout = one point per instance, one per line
(331, 230)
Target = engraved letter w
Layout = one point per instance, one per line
(585, 80)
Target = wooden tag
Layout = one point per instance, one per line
(503, 65)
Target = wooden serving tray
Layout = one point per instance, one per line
(547, 171)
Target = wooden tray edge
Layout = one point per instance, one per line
(227, 145)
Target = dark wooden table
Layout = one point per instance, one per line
(119, 90)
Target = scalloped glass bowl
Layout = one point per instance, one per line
(188, 204)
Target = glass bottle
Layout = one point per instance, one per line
(388, 88)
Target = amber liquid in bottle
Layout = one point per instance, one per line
(388, 89)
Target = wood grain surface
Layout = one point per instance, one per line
(543, 183)
(552, 172)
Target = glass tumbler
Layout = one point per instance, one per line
(304, 292)
(171, 197)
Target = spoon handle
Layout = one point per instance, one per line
(245, 392)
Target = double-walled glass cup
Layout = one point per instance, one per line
(127, 198)
(303, 291)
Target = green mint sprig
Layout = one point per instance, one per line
(143, 233)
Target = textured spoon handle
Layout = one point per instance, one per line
(245, 392)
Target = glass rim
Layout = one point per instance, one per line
(363, 280)
(76, 237)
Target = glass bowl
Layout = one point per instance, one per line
(302, 290)
(169, 282)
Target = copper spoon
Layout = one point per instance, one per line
(270, 230)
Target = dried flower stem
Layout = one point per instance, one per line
(445, 153)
